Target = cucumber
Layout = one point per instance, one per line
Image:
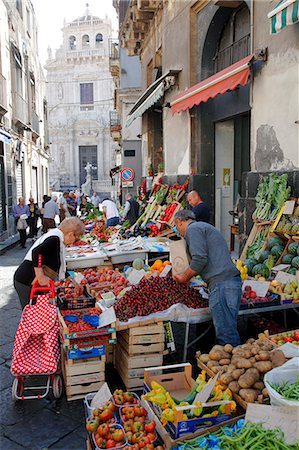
(189, 398)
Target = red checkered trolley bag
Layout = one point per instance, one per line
(36, 347)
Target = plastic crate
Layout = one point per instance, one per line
(86, 301)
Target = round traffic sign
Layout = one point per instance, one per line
(127, 174)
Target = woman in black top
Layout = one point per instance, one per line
(32, 219)
(46, 257)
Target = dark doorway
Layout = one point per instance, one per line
(88, 154)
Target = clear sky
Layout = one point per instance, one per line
(51, 13)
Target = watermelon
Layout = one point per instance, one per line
(276, 251)
(138, 264)
(263, 256)
(287, 259)
(257, 269)
(291, 271)
(295, 262)
(250, 263)
(273, 241)
(265, 272)
(293, 248)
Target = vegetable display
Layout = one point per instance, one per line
(156, 294)
(289, 391)
(282, 338)
(271, 196)
(262, 261)
(243, 367)
(240, 436)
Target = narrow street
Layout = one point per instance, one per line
(32, 424)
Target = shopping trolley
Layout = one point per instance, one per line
(36, 346)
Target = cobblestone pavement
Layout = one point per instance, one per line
(32, 424)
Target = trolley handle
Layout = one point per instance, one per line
(39, 290)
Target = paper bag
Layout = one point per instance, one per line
(179, 257)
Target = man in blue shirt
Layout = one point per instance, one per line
(200, 209)
(211, 259)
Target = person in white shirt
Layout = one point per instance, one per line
(51, 211)
(110, 212)
(95, 200)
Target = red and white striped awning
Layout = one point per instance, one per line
(223, 81)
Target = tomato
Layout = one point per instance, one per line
(151, 437)
(103, 429)
(150, 426)
(129, 436)
(137, 426)
(92, 424)
(296, 335)
(139, 410)
(105, 415)
(110, 443)
(118, 435)
(101, 443)
(143, 442)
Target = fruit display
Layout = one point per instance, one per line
(243, 367)
(241, 435)
(156, 294)
(289, 336)
(166, 406)
(288, 291)
(79, 320)
(105, 280)
(292, 257)
(250, 299)
(121, 398)
(263, 261)
(138, 429)
(289, 223)
(109, 436)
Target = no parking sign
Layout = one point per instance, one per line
(127, 174)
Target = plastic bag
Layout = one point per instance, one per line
(287, 372)
(22, 224)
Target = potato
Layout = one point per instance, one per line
(248, 379)
(243, 363)
(224, 368)
(277, 358)
(231, 367)
(226, 378)
(228, 348)
(263, 356)
(263, 366)
(211, 364)
(234, 386)
(242, 354)
(237, 373)
(252, 359)
(216, 355)
(249, 395)
(246, 346)
(217, 347)
(250, 341)
(259, 385)
(255, 350)
(260, 398)
(265, 392)
(216, 369)
(224, 362)
(204, 358)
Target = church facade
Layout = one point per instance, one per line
(80, 92)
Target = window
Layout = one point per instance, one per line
(19, 7)
(73, 42)
(33, 96)
(85, 40)
(129, 153)
(18, 68)
(234, 43)
(99, 38)
(86, 93)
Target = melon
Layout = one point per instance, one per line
(138, 264)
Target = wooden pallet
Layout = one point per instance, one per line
(142, 340)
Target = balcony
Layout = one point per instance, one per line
(83, 54)
(115, 126)
(20, 109)
(114, 57)
(3, 96)
(35, 123)
(233, 53)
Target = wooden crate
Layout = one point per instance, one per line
(109, 353)
(255, 231)
(82, 377)
(138, 347)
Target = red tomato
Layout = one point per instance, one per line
(110, 443)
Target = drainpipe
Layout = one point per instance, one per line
(251, 47)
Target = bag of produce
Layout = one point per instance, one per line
(282, 384)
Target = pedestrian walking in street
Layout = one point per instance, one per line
(72, 203)
(200, 209)
(46, 199)
(51, 211)
(110, 211)
(63, 206)
(21, 214)
(211, 259)
(95, 200)
(46, 258)
(131, 211)
(33, 218)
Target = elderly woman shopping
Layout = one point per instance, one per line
(46, 258)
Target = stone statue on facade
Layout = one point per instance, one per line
(86, 187)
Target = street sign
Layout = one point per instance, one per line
(127, 174)
(127, 184)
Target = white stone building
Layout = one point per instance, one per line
(80, 93)
(24, 150)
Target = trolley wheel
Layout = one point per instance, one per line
(17, 389)
(57, 386)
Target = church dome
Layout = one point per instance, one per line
(87, 17)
